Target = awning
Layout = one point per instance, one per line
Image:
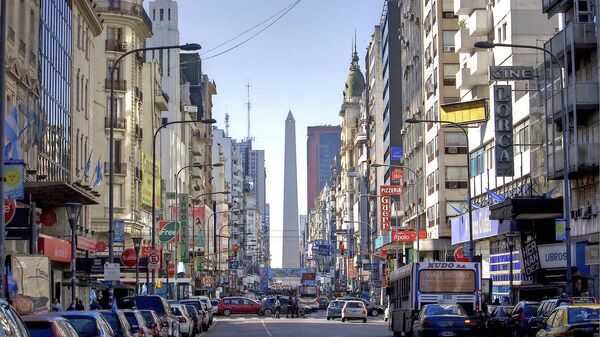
(527, 209)
(56, 194)
(56, 249)
(84, 243)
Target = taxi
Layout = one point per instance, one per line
(577, 319)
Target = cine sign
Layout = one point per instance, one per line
(504, 159)
(511, 73)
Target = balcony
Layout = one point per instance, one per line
(585, 159)
(556, 6)
(118, 123)
(128, 8)
(161, 100)
(480, 22)
(581, 97)
(466, 81)
(115, 45)
(463, 42)
(480, 62)
(579, 36)
(118, 168)
(465, 7)
(120, 85)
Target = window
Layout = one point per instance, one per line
(117, 71)
(161, 14)
(450, 71)
(153, 14)
(448, 9)
(432, 215)
(451, 207)
(433, 12)
(160, 61)
(448, 42)
(77, 91)
(432, 149)
(499, 36)
(456, 173)
(455, 143)
(169, 14)
(168, 63)
(521, 137)
(118, 105)
(113, 34)
(435, 45)
(477, 162)
(504, 32)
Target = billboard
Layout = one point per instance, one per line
(32, 276)
(503, 156)
(464, 112)
(385, 204)
(147, 181)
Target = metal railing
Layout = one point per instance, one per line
(125, 8)
(118, 123)
(117, 84)
(115, 45)
(118, 168)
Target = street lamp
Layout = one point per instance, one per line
(462, 128)
(510, 241)
(137, 244)
(167, 257)
(73, 211)
(565, 144)
(185, 47)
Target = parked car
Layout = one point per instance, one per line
(40, 326)
(14, 326)
(520, 318)
(572, 320)
(117, 321)
(186, 324)
(159, 305)
(442, 320)
(544, 310)
(196, 317)
(200, 304)
(237, 305)
(153, 323)
(215, 306)
(267, 306)
(334, 309)
(323, 303)
(372, 308)
(137, 323)
(86, 323)
(354, 310)
(498, 322)
(208, 305)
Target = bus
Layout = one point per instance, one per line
(416, 284)
(309, 296)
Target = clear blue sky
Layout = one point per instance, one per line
(300, 64)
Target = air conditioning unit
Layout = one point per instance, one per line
(124, 46)
(585, 212)
(595, 209)
(452, 184)
(452, 149)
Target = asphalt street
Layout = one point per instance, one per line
(314, 326)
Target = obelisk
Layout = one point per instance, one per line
(291, 249)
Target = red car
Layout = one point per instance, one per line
(237, 305)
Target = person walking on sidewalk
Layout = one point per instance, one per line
(277, 306)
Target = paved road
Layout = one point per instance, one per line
(314, 326)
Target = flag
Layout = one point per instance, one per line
(473, 204)
(12, 148)
(114, 306)
(456, 210)
(549, 193)
(98, 174)
(11, 284)
(86, 170)
(495, 196)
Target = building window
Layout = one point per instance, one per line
(113, 34)
(477, 162)
(118, 107)
(153, 14)
(504, 32)
(161, 14)
(168, 63)
(448, 42)
(450, 71)
(169, 14)
(160, 61)
(448, 10)
(456, 177)
(521, 137)
(431, 149)
(455, 143)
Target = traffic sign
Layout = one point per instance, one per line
(153, 260)
(10, 208)
(112, 271)
(234, 264)
(128, 257)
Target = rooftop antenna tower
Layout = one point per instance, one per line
(226, 124)
(248, 105)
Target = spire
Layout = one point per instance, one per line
(289, 117)
(355, 84)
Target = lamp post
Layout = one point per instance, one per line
(417, 220)
(73, 211)
(185, 47)
(153, 232)
(137, 243)
(167, 257)
(510, 241)
(565, 143)
(462, 128)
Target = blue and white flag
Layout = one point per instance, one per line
(456, 209)
(11, 284)
(495, 196)
(98, 174)
(114, 306)
(473, 204)
(86, 170)
(549, 193)
(12, 148)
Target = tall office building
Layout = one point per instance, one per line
(321, 147)
(253, 163)
(291, 257)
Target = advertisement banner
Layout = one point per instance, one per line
(32, 276)
(396, 175)
(147, 181)
(504, 159)
(555, 256)
(530, 257)
(119, 231)
(407, 236)
(169, 231)
(13, 181)
(183, 218)
(385, 204)
(561, 229)
(483, 226)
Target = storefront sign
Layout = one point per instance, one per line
(396, 153)
(119, 231)
(168, 231)
(555, 256)
(396, 175)
(55, 249)
(530, 257)
(407, 236)
(128, 257)
(147, 181)
(511, 73)
(503, 138)
(386, 192)
(84, 243)
(383, 240)
(483, 227)
(183, 217)
(112, 272)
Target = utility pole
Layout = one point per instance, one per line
(2, 122)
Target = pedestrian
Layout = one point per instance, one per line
(496, 301)
(72, 306)
(56, 306)
(277, 306)
(95, 305)
(290, 307)
(295, 307)
(79, 305)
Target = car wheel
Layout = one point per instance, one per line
(268, 312)
(364, 320)
(374, 312)
(343, 319)
(226, 312)
(328, 318)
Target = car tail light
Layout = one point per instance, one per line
(182, 319)
(522, 318)
(570, 333)
(364, 311)
(426, 322)
(344, 311)
(156, 331)
(142, 333)
(470, 322)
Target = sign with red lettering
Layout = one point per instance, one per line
(407, 236)
(10, 208)
(396, 175)
(385, 193)
(459, 255)
(128, 257)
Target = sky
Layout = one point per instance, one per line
(300, 63)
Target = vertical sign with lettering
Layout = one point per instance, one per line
(530, 258)
(385, 194)
(504, 160)
(183, 216)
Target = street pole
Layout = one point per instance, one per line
(137, 243)
(565, 143)
(167, 256)
(111, 145)
(73, 211)
(2, 123)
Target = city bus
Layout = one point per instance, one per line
(416, 284)
(309, 296)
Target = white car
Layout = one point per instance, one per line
(186, 324)
(354, 310)
(137, 323)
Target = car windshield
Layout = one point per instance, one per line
(150, 302)
(195, 304)
(578, 315)
(336, 304)
(191, 309)
(530, 310)
(85, 326)
(131, 319)
(440, 310)
(354, 305)
(39, 329)
(113, 320)
(176, 311)
(214, 303)
(147, 316)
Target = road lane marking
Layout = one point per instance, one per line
(265, 326)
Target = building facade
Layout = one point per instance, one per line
(322, 145)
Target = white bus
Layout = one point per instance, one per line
(417, 284)
(309, 296)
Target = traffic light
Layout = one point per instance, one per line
(342, 248)
(235, 250)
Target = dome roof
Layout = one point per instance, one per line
(355, 84)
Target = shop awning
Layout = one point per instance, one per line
(527, 209)
(47, 194)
